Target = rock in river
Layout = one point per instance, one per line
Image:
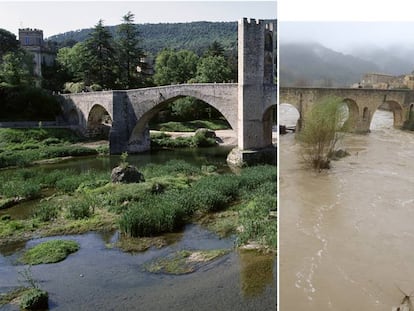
(126, 174)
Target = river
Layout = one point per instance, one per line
(346, 234)
(98, 277)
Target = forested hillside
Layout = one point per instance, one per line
(311, 64)
(195, 36)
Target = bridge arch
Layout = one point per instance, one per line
(139, 138)
(99, 122)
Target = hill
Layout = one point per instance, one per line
(311, 64)
(195, 36)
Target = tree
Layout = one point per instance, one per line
(320, 132)
(16, 68)
(74, 61)
(215, 49)
(8, 43)
(130, 54)
(100, 56)
(213, 69)
(173, 67)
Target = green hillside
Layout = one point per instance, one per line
(195, 36)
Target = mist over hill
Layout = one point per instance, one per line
(194, 36)
(312, 64)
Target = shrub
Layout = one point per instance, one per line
(79, 208)
(155, 215)
(46, 211)
(320, 132)
(34, 299)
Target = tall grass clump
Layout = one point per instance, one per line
(321, 131)
(47, 211)
(155, 215)
(214, 192)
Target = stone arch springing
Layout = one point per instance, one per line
(99, 122)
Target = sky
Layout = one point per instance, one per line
(55, 17)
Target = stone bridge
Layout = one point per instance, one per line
(125, 114)
(246, 105)
(362, 103)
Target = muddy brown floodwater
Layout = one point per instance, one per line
(347, 235)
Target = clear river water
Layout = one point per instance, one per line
(347, 234)
(98, 277)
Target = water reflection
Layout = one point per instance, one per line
(256, 272)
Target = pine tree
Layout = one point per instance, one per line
(130, 54)
(100, 56)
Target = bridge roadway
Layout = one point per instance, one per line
(362, 103)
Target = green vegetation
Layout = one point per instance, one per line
(34, 299)
(191, 126)
(49, 252)
(21, 147)
(172, 195)
(185, 261)
(27, 103)
(163, 140)
(321, 131)
(195, 36)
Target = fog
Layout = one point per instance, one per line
(348, 37)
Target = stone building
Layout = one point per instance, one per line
(32, 41)
(386, 81)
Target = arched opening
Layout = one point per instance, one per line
(99, 123)
(289, 117)
(410, 113)
(179, 117)
(268, 43)
(388, 115)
